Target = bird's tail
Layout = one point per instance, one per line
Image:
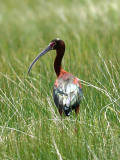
(67, 110)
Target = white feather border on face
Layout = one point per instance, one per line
(58, 39)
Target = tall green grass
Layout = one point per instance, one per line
(30, 125)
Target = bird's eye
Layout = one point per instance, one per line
(52, 44)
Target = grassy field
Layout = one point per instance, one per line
(30, 125)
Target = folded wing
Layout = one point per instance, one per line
(67, 93)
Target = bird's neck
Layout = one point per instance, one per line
(57, 63)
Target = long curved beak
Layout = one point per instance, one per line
(47, 49)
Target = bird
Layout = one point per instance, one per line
(67, 90)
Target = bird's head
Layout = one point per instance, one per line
(55, 44)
